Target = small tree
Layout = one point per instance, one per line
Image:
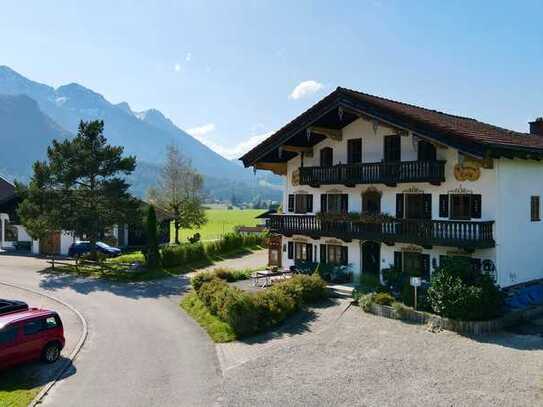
(179, 192)
(152, 253)
(79, 187)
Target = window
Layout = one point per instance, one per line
(327, 157)
(335, 203)
(300, 203)
(12, 234)
(51, 322)
(393, 148)
(354, 151)
(464, 206)
(303, 251)
(337, 254)
(33, 327)
(413, 264)
(8, 335)
(534, 208)
(417, 206)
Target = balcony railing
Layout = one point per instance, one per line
(389, 173)
(463, 234)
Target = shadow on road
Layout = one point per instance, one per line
(36, 374)
(174, 286)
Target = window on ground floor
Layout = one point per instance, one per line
(300, 251)
(413, 264)
(535, 208)
(334, 254)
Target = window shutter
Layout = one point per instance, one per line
(323, 203)
(427, 206)
(323, 253)
(291, 203)
(309, 203)
(476, 206)
(398, 260)
(309, 249)
(399, 206)
(291, 250)
(344, 255)
(344, 203)
(476, 265)
(444, 206)
(425, 266)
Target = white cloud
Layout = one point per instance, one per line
(177, 67)
(188, 57)
(201, 131)
(202, 134)
(305, 88)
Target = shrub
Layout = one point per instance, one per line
(152, 254)
(370, 283)
(365, 301)
(457, 292)
(400, 309)
(248, 313)
(383, 299)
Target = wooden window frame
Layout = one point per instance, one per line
(352, 153)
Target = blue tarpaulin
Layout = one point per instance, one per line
(525, 297)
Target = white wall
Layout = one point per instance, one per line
(520, 241)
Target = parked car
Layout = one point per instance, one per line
(7, 306)
(29, 335)
(78, 249)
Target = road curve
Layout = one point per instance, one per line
(141, 349)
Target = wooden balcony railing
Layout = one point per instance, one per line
(389, 173)
(463, 234)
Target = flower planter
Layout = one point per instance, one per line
(475, 328)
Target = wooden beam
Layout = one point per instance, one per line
(276, 168)
(334, 134)
(307, 151)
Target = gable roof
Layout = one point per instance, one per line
(466, 134)
(7, 190)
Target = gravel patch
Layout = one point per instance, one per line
(365, 360)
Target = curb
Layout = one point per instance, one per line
(43, 392)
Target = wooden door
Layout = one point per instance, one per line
(50, 244)
(274, 251)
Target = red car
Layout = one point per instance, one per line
(30, 335)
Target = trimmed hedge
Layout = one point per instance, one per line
(176, 255)
(250, 313)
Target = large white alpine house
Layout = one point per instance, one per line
(374, 183)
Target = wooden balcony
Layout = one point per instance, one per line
(462, 234)
(388, 173)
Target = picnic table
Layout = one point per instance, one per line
(267, 276)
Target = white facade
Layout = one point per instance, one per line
(505, 187)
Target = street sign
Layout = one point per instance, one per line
(416, 281)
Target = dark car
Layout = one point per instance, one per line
(30, 335)
(7, 306)
(78, 249)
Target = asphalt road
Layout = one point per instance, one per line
(141, 349)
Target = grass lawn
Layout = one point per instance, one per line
(218, 330)
(220, 222)
(16, 389)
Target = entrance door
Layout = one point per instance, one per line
(274, 251)
(371, 257)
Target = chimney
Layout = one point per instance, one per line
(536, 127)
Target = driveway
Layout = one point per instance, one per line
(344, 357)
(140, 351)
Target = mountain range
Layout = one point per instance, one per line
(32, 114)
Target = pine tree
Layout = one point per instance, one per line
(152, 253)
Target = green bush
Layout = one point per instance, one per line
(176, 255)
(365, 301)
(383, 299)
(220, 273)
(370, 283)
(248, 313)
(457, 292)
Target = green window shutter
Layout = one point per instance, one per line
(291, 203)
(399, 206)
(476, 206)
(398, 260)
(323, 253)
(425, 266)
(344, 203)
(344, 255)
(309, 203)
(290, 250)
(427, 206)
(444, 206)
(309, 249)
(323, 203)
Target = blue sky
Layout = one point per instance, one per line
(228, 70)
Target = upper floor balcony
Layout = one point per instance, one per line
(388, 173)
(423, 232)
